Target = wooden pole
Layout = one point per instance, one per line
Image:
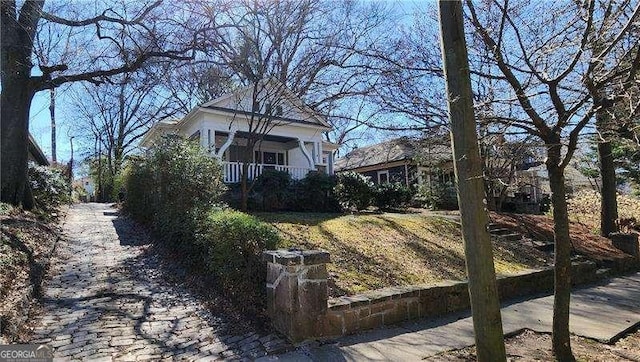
(483, 292)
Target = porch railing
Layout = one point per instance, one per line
(233, 170)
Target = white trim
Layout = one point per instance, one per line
(277, 123)
(383, 172)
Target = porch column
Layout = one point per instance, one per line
(305, 152)
(330, 160)
(226, 145)
(211, 135)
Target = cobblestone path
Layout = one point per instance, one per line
(106, 299)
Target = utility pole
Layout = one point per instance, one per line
(71, 160)
(99, 197)
(52, 110)
(483, 291)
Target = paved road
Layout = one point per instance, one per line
(601, 312)
(106, 299)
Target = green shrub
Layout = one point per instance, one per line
(437, 196)
(173, 187)
(354, 190)
(315, 192)
(389, 196)
(50, 187)
(139, 185)
(232, 243)
(271, 190)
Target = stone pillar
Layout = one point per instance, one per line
(296, 291)
(627, 243)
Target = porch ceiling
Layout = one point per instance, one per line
(270, 138)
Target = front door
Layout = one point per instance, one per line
(270, 158)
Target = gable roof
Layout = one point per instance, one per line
(398, 149)
(279, 90)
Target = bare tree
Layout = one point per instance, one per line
(82, 43)
(483, 290)
(607, 87)
(287, 49)
(543, 58)
(192, 84)
(117, 114)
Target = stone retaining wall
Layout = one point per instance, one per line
(389, 306)
(299, 307)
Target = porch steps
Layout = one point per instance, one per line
(504, 233)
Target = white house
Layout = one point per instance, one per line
(291, 132)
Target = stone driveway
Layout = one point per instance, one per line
(106, 299)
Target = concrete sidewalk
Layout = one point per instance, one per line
(603, 312)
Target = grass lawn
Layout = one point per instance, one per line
(372, 251)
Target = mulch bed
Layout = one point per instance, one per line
(27, 246)
(532, 346)
(583, 240)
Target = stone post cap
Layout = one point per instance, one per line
(296, 257)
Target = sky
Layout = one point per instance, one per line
(40, 126)
(40, 118)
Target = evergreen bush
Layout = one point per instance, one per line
(50, 187)
(354, 191)
(390, 196)
(232, 243)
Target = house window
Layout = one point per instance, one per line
(269, 157)
(383, 177)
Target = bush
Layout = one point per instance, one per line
(315, 192)
(173, 187)
(176, 189)
(271, 190)
(232, 243)
(50, 187)
(392, 196)
(139, 183)
(354, 190)
(437, 196)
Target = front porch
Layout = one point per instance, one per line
(290, 154)
(232, 171)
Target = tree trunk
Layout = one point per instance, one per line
(244, 189)
(247, 159)
(16, 44)
(15, 102)
(562, 277)
(483, 293)
(608, 202)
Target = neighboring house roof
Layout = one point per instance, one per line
(573, 177)
(35, 153)
(398, 149)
